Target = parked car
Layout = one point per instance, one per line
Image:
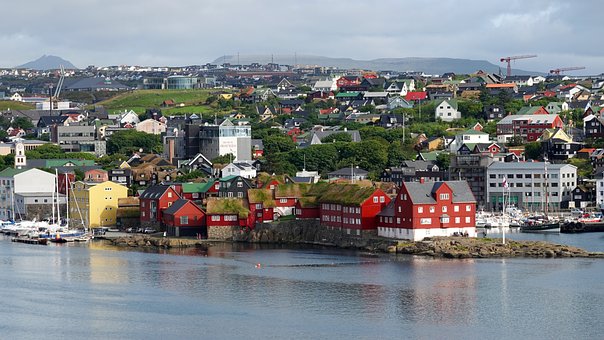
(131, 230)
(576, 212)
(149, 231)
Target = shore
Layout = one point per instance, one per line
(444, 247)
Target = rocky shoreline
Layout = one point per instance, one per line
(310, 233)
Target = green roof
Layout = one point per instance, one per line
(473, 132)
(196, 187)
(431, 156)
(346, 194)
(227, 206)
(528, 110)
(308, 202)
(453, 102)
(55, 163)
(347, 94)
(264, 196)
(291, 190)
(10, 172)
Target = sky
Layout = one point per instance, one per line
(186, 32)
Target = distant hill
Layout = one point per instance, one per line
(48, 62)
(426, 65)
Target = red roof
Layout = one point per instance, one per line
(497, 86)
(417, 95)
(586, 150)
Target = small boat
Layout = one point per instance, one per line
(588, 224)
(539, 223)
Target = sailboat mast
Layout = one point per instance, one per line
(58, 200)
(67, 199)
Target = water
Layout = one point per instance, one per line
(587, 241)
(97, 292)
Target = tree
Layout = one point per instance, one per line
(128, 141)
(224, 159)
(532, 150)
(470, 108)
(337, 137)
(22, 122)
(443, 160)
(278, 143)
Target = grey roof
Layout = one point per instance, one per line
(95, 83)
(388, 210)
(51, 120)
(348, 171)
(354, 134)
(539, 118)
(171, 210)
(297, 179)
(526, 166)
(258, 144)
(422, 193)
(155, 191)
(418, 164)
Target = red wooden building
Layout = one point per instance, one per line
(286, 197)
(65, 180)
(426, 209)
(307, 208)
(261, 205)
(347, 81)
(352, 208)
(154, 200)
(227, 215)
(185, 218)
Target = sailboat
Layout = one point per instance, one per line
(63, 234)
(538, 223)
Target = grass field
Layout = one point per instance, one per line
(13, 105)
(187, 101)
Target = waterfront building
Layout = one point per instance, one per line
(427, 209)
(26, 194)
(226, 215)
(351, 208)
(95, 204)
(262, 205)
(154, 200)
(234, 186)
(286, 197)
(184, 218)
(531, 185)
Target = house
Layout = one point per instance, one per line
(45, 124)
(593, 126)
(234, 186)
(261, 205)
(528, 127)
(348, 81)
(286, 197)
(532, 110)
(154, 200)
(556, 107)
(352, 209)
(493, 112)
(583, 196)
(396, 102)
(224, 216)
(390, 120)
(520, 80)
(325, 86)
(121, 176)
(416, 96)
(128, 117)
(96, 175)
(151, 126)
(416, 170)
(447, 110)
(307, 207)
(95, 204)
(469, 136)
(243, 169)
(128, 213)
(317, 136)
(351, 174)
(199, 191)
(558, 145)
(427, 209)
(185, 218)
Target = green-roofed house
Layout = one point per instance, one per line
(27, 194)
(58, 163)
(224, 216)
(262, 205)
(200, 191)
(351, 208)
(532, 110)
(447, 110)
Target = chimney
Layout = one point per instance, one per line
(422, 180)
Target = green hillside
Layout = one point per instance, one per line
(13, 105)
(186, 101)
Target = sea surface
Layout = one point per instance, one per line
(96, 291)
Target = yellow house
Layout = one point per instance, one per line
(95, 204)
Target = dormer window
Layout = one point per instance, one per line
(444, 197)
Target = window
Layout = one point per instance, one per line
(215, 217)
(468, 219)
(444, 208)
(457, 220)
(375, 199)
(420, 210)
(456, 208)
(432, 209)
(398, 220)
(382, 199)
(444, 219)
(169, 194)
(143, 214)
(184, 219)
(283, 200)
(425, 221)
(169, 204)
(240, 184)
(240, 194)
(444, 196)
(468, 207)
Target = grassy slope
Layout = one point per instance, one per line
(140, 100)
(9, 104)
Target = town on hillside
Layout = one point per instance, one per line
(206, 151)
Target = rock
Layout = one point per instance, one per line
(549, 253)
(391, 249)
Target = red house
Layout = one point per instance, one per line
(307, 208)
(352, 208)
(347, 81)
(286, 197)
(261, 205)
(185, 218)
(426, 209)
(96, 176)
(224, 216)
(154, 200)
(65, 180)
(416, 95)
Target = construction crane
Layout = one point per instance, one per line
(57, 92)
(562, 69)
(509, 59)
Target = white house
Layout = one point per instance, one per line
(129, 117)
(243, 169)
(325, 85)
(151, 126)
(469, 136)
(447, 110)
(600, 190)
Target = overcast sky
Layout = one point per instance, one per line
(184, 32)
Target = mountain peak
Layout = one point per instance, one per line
(48, 62)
